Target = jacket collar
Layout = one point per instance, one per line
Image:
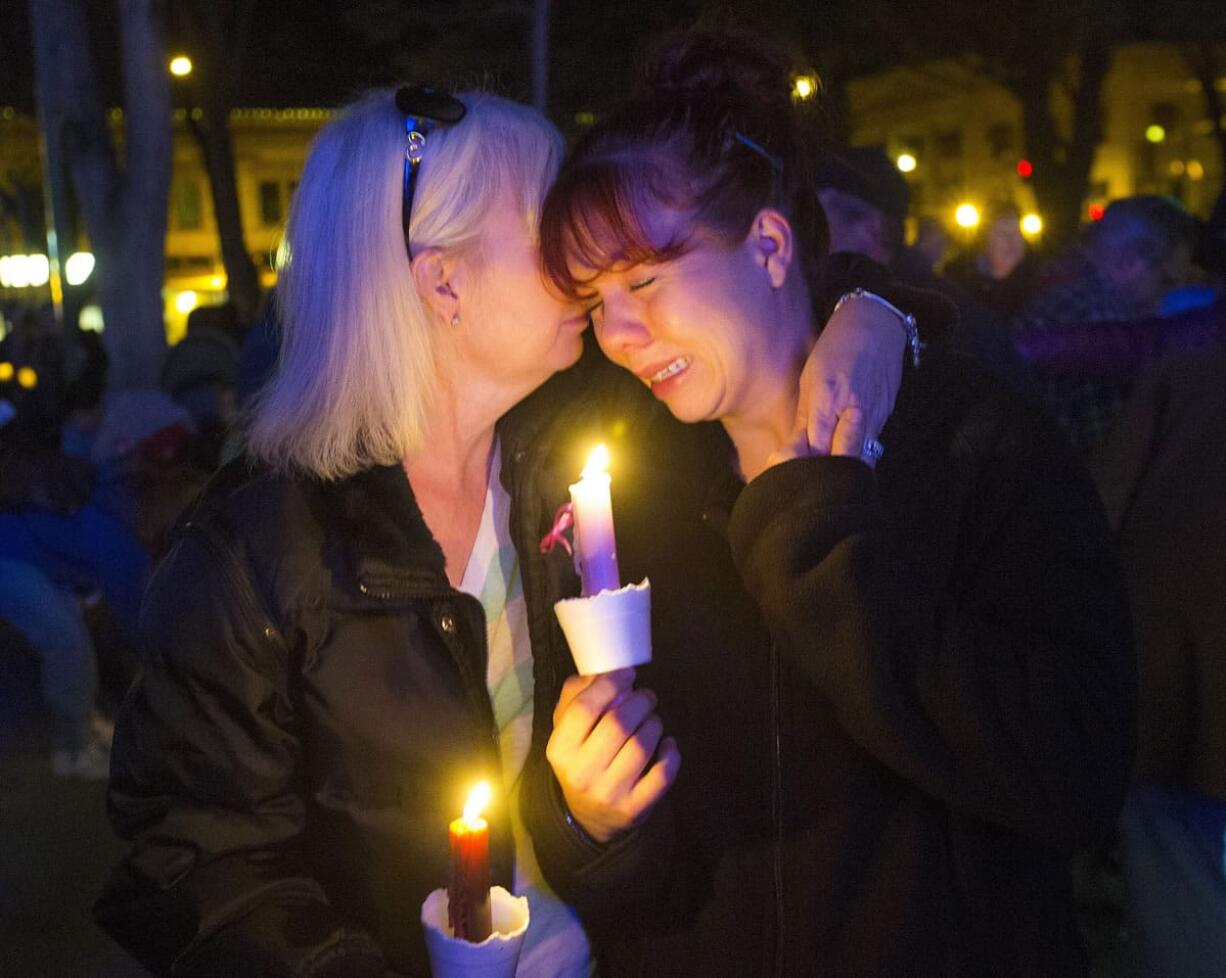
(375, 532)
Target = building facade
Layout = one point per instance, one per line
(270, 146)
(963, 134)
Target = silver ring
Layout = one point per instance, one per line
(873, 449)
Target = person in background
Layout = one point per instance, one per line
(865, 200)
(1162, 475)
(930, 250)
(1000, 273)
(201, 374)
(903, 693)
(1140, 250)
(49, 615)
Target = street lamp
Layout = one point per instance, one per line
(804, 87)
(78, 267)
(906, 162)
(967, 216)
(1032, 225)
(181, 66)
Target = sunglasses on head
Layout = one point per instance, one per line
(423, 109)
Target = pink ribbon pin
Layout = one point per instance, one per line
(563, 520)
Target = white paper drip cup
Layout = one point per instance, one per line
(495, 957)
(610, 630)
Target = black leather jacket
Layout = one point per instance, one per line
(312, 710)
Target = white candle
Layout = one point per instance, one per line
(595, 548)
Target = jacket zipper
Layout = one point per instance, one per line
(777, 805)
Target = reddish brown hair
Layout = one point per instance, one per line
(713, 135)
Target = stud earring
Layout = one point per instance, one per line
(455, 320)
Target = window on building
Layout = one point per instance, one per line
(186, 206)
(949, 143)
(271, 210)
(1001, 138)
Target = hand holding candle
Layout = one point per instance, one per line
(468, 889)
(609, 753)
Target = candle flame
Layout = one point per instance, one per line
(478, 798)
(597, 462)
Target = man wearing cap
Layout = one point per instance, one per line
(865, 199)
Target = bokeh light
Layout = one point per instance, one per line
(967, 216)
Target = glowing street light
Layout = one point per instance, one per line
(906, 162)
(181, 66)
(967, 216)
(24, 271)
(1032, 225)
(804, 87)
(1155, 133)
(78, 267)
(185, 302)
(1196, 170)
(40, 270)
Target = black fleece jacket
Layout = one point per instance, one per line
(901, 697)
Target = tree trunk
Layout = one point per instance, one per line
(223, 35)
(59, 210)
(124, 209)
(540, 56)
(1061, 166)
(242, 279)
(146, 185)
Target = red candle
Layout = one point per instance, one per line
(468, 889)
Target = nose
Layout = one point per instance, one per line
(619, 325)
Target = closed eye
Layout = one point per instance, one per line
(641, 284)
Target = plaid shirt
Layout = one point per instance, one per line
(1086, 406)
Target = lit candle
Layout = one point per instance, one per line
(468, 889)
(595, 549)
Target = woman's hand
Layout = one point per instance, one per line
(605, 733)
(849, 383)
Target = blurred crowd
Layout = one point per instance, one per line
(1121, 339)
(91, 481)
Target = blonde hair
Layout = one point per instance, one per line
(355, 372)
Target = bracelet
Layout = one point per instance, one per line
(909, 325)
(579, 831)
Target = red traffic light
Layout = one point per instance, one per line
(1096, 212)
(1024, 169)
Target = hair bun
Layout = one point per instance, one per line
(739, 69)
